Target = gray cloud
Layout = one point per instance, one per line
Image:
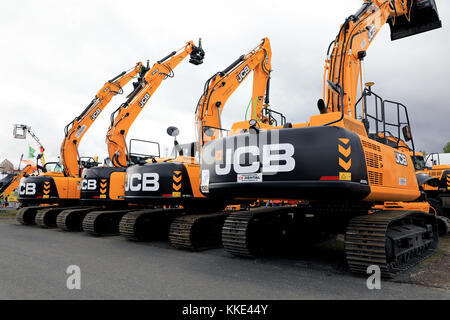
(56, 56)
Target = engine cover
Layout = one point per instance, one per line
(312, 163)
(154, 183)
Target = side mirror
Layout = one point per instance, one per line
(173, 131)
(406, 133)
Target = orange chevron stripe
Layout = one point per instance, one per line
(177, 172)
(175, 187)
(103, 185)
(102, 190)
(46, 192)
(344, 141)
(345, 164)
(103, 180)
(177, 179)
(345, 152)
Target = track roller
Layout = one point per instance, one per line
(443, 225)
(146, 225)
(72, 219)
(258, 231)
(46, 217)
(393, 240)
(197, 232)
(27, 215)
(100, 223)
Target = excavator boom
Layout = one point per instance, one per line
(145, 87)
(74, 131)
(222, 85)
(8, 189)
(345, 55)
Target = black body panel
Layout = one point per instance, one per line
(97, 193)
(38, 190)
(310, 168)
(169, 183)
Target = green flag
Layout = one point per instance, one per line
(31, 152)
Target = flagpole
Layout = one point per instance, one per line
(20, 162)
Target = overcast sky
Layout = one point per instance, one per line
(55, 56)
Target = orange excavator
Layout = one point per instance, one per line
(438, 194)
(176, 180)
(104, 186)
(10, 183)
(434, 181)
(9, 186)
(340, 161)
(61, 189)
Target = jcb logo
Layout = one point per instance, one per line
(27, 189)
(241, 76)
(142, 182)
(271, 154)
(88, 184)
(401, 159)
(144, 100)
(372, 32)
(95, 114)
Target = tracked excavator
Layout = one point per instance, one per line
(434, 180)
(175, 181)
(340, 161)
(438, 194)
(9, 186)
(103, 187)
(59, 190)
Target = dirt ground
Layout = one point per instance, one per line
(435, 271)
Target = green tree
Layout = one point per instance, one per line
(447, 148)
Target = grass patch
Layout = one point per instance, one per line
(8, 213)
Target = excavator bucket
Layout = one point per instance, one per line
(422, 18)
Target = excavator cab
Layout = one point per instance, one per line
(422, 17)
(142, 150)
(89, 162)
(53, 167)
(385, 121)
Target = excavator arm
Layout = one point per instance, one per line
(15, 182)
(148, 82)
(222, 85)
(343, 66)
(74, 131)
